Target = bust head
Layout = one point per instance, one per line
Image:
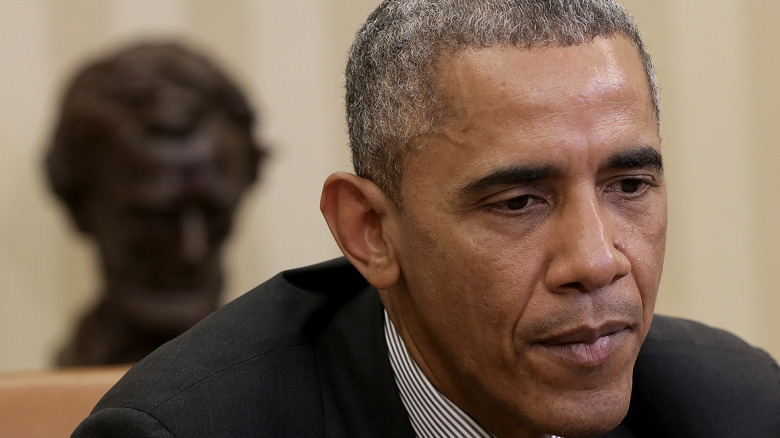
(151, 154)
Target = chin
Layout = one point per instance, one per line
(589, 414)
(586, 429)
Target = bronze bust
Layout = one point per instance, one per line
(151, 154)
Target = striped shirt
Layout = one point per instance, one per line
(432, 415)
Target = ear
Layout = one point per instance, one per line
(361, 217)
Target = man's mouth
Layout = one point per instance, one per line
(587, 346)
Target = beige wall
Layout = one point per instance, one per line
(718, 66)
(719, 96)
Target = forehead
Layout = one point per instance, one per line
(216, 152)
(479, 79)
(505, 105)
(214, 140)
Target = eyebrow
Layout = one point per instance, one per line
(515, 175)
(640, 157)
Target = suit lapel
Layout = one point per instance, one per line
(360, 396)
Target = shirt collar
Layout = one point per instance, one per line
(431, 413)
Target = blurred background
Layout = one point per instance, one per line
(717, 61)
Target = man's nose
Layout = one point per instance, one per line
(194, 243)
(587, 253)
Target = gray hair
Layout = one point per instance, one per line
(391, 95)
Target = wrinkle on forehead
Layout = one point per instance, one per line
(601, 72)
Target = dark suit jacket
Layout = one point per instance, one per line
(304, 355)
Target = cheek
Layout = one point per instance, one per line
(475, 284)
(646, 248)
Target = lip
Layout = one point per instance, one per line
(587, 346)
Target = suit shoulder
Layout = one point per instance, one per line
(120, 423)
(687, 346)
(705, 382)
(253, 352)
(666, 329)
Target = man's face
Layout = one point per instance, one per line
(160, 210)
(532, 236)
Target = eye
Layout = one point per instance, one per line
(154, 215)
(630, 186)
(516, 204)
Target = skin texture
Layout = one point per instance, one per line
(522, 266)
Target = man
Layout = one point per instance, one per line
(152, 152)
(505, 236)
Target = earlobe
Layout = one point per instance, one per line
(360, 217)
